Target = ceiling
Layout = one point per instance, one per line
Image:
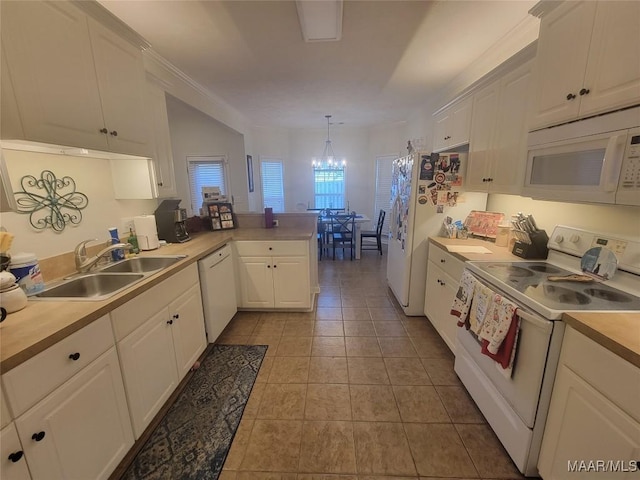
(392, 56)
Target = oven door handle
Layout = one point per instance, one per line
(541, 323)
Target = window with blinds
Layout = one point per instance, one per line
(205, 172)
(271, 174)
(329, 187)
(383, 189)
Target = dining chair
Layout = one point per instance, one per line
(342, 233)
(322, 236)
(377, 234)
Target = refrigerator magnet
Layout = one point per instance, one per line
(422, 199)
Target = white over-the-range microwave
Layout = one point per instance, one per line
(596, 160)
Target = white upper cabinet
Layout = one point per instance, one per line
(76, 83)
(497, 147)
(587, 61)
(161, 141)
(452, 126)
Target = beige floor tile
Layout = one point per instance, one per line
(321, 476)
(327, 402)
(265, 370)
(359, 329)
(274, 446)
(406, 371)
(460, 405)
(241, 326)
(239, 445)
(373, 403)
(438, 450)
(383, 313)
(289, 370)
(329, 301)
(233, 340)
(397, 347)
(329, 291)
(299, 316)
(328, 328)
(419, 327)
(265, 476)
(355, 314)
(328, 347)
(367, 371)
(227, 475)
(431, 348)
(362, 347)
(379, 302)
(294, 347)
(382, 448)
(441, 371)
(327, 447)
(283, 401)
(298, 328)
(488, 454)
(328, 370)
(270, 326)
(390, 329)
(378, 477)
(246, 316)
(253, 403)
(351, 301)
(329, 313)
(271, 341)
(420, 404)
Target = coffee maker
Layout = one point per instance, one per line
(172, 221)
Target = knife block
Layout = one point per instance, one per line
(537, 249)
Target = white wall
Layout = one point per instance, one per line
(93, 178)
(195, 134)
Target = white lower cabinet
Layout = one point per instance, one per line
(594, 414)
(166, 338)
(82, 429)
(443, 275)
(279, 280)
(13, 464)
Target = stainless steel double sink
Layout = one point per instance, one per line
(107, 281)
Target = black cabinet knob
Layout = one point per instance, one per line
(169, 322)
(104, 130)
(442, 260)
(268, 266)
(74, 356)
(176, 316)
(584, 91)
(571, 96)
(114, 133)
(160, 184)
(16, 456)
(270, 248)
(37, 436)
(275, 266)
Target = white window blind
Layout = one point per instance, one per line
(329, 187)
(205, 172)
(383, 190)
(271, 174)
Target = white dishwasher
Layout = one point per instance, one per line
(218, 286)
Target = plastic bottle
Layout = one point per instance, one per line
(133, 240)
(118, 254)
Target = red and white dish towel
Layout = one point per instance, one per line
(463, 298)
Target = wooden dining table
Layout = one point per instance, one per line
(359, 220)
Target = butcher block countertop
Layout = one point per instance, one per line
(43, 323)
(618, 332)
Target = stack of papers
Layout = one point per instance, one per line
(468, 249)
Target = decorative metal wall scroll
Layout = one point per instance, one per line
(50, 202)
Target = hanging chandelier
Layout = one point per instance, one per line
(328, 161)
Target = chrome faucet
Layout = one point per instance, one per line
(84, 264)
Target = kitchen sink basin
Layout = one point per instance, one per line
(92, 286)
(142, 264)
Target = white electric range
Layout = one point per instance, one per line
(516, 406)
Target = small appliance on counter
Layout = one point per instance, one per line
(145, 227)
(172, 221)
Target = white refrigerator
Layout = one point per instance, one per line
(426, 188)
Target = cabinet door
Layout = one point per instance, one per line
(160, 137)
(122, 87)
(460, 123)
(13, 464)
(510, 140)
(256, 282)
(441, 134)
(584, 425)
(51, 64)
(483, 124)
(440, 291)
(84, 425)
(189, 339)
(149, 368)
(291, 282)
(563, 48)
(613, 68)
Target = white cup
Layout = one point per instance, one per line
(13, 299)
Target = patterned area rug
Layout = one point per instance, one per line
(194, 437)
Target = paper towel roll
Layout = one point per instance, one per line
(146, 231)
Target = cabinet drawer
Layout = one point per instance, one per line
(134, 313)
(279, 247)
(34, 379)
(595, 364)
(447, 262)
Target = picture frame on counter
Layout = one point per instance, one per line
(221, 215)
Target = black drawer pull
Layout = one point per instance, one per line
(442, 260)
(74, 356)
(114, 133)
(37, 436)
(16, 456)
(104, 130)
(176, 316)
(169, 322)
(571, 96)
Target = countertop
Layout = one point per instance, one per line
(43, 323)
(619, 332)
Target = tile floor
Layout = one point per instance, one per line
(355, 390)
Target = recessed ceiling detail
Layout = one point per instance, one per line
(320, 20)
